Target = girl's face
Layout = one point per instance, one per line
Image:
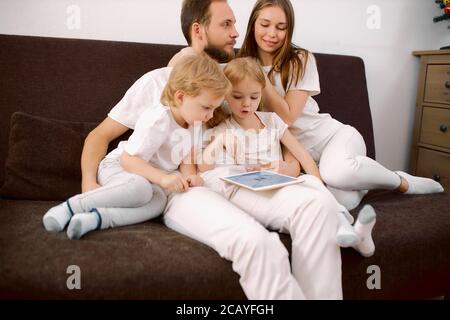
(245, 97)
(271, 29)
(198, 108)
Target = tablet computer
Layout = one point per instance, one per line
(261, 180)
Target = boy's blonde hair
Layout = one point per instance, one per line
(236, 71)
(193, 74)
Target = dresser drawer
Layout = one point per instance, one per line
(435, 128)
(437, 86)
(434, 165)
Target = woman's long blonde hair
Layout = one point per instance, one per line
(286, 60)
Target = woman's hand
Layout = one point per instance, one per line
(174, 183)
(195, 181)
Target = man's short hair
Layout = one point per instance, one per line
(195, 11)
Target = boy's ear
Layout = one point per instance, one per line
(179, 97)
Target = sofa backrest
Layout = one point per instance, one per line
(81, 80)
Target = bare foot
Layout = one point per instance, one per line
(404, 186)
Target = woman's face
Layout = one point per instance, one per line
(271, 29)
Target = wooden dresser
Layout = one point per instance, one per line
(430, 154)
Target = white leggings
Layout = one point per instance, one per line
(123, 198)
(236, 229)
(346, 169)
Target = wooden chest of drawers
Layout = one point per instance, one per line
(430, 154)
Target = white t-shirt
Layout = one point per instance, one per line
(311, 127)
(158, 139)
(255, 147)
(143, 94)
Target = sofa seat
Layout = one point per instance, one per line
(150, 261)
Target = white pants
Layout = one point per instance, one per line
(236, 229)
(346, 169)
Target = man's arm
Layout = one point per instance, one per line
(94, 150)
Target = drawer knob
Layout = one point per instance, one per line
(436, 177)
(447, 84)
(443, 128)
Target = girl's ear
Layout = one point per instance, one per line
(179, 97)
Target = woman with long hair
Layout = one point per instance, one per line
(292, 80)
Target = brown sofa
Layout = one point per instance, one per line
(64, 87)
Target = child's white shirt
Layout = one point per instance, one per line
(311, 127)
(158, 139)
(256, 147)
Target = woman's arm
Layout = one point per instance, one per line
(94, 150)
(289, 107)
(300, 153)
(141, 167)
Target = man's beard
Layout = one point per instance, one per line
(220, 55)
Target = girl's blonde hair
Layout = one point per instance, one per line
(289, 60)
(236, 71)
(193, 74)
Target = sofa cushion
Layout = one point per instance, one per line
(43, 160)
(150, 261)
(143, 261)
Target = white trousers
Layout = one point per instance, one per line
(346, 169)
(238, 230)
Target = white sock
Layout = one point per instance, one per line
(82, 223)
(363, 228)
(418, 185)
(56, 219)
(346, 235)
(345, 212)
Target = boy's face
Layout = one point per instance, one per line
(244, 99)
(199, 108)
(221, 32)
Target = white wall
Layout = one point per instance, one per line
(343, 26)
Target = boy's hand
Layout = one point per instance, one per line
(174, 183)
(194, 180)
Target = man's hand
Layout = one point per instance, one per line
(174, 183)
(89, 186)
(195, 181)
